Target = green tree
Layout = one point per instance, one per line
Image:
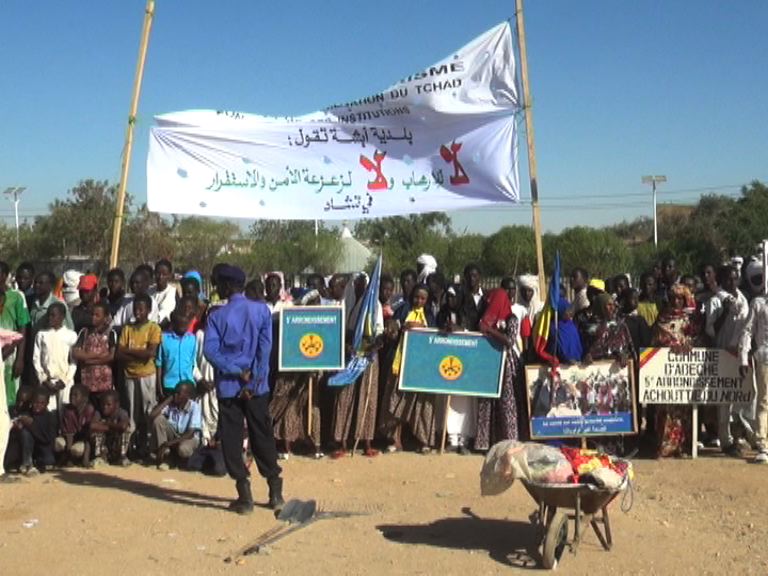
(291, 246)
(511, 250)
(402, 239)
(201, 242)
(600, 251)
(80, 224)
(460, 251)
(146, 238)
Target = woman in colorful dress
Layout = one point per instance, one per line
(497, 419)
(612, 340)
(678, 328)
(417, 410)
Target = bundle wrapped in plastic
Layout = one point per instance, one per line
(510, 460)
(589, 466)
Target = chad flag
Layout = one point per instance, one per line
(548, 316)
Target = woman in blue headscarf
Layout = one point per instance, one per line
(564, 345)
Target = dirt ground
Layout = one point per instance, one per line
(420, 515)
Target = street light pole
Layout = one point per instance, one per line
(15, 192)
(652, 180)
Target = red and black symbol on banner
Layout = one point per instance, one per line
(380, 181)
(451, 156)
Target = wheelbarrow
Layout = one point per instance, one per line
(585, 504)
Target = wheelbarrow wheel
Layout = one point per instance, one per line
(555, 540)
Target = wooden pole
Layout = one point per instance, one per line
(445, 424)
(310, 384)
(695, 432)
(531, 148)
(117, 224)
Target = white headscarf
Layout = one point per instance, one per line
(71, 279)
(533, 306)
(428, 264)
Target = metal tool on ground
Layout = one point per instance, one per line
(300, 514)
(294, 512)
(318, 516)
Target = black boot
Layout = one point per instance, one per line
(244, 502)
(276, 501)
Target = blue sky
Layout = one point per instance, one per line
(620, 89)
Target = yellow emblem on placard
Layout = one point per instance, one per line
(311, 345)
(451, 368)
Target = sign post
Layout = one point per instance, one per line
(311, 339)
(707, 376)
(457, 363)
(581, 400)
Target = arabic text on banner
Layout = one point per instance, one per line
(440, 139)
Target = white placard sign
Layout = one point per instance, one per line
(701, 376)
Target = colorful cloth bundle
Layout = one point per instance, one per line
(587, 465)
(542, 464)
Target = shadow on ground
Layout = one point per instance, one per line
(162, 493)
(509, 542)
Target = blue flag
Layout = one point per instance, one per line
(365, 333)
(554, 284)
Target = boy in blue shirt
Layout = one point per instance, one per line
(176, 355)
(176, 425)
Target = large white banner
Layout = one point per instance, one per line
(441, 139)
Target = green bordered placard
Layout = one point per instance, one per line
(457, 363)
(311, 338)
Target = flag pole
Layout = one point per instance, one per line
(531, 148)
(149, 12)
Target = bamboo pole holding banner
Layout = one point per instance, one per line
(117, 224)
(531, 148)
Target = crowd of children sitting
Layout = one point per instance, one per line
(111, 379)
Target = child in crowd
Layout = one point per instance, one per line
(137, 350)
(13, 317)
(52, 357)
(32, 436)
(8, 342)
(111, 431)
(176, 356)
(176, 425)
(190, 306)
(415, 409)
(139, 284)
(209, 452)
(88, 290)
(208, 455)
(75, 441)
(163, 293)
(94, 351)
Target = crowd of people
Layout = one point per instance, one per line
(154, 370)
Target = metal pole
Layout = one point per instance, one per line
(531, 149)
(15, 191)
(653, 180)
(149, 12)
(16, 213)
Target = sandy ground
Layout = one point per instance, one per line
(421, 515)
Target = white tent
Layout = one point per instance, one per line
(354, 256)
